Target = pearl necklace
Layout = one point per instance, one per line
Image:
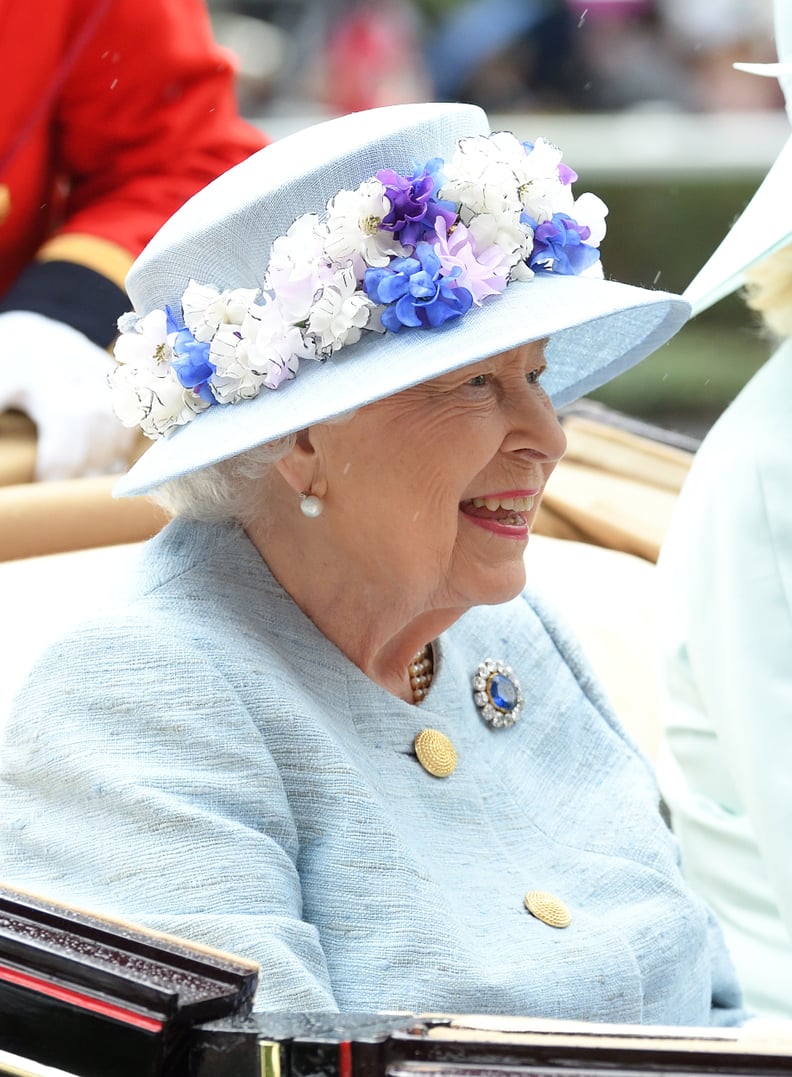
(421, 671)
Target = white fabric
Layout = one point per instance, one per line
(58, 377)
(608, 598)
(725, 588)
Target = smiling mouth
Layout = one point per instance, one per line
(507, 511)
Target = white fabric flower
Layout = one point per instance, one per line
(541, 191)
(233, 379)
(128, 322)
(591, 211)
(486, 175)
(143, 341)
(521, 271)
(152, 398)
(268, 353)
(205, 309)
(353, 232)
(298, 266)
(513, 239)
(145, 391)
(339, 315)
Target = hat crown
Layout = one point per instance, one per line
(222, 236)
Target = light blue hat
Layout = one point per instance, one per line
(765, 225)
(214, 340)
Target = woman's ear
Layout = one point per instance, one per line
(300, 466)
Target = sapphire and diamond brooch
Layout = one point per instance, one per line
(496, 692)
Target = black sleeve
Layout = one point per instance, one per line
(71, 293)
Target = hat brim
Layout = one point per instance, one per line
(777, 70)
(597, 329)
(764, 227)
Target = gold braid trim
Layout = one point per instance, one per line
(101, 255)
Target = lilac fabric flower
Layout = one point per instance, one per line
(415, 293)
(483, 274)
(192, 365)
(559, 245)
(413, 210)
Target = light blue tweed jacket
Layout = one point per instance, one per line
(205, 762)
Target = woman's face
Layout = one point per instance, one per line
(432, 491)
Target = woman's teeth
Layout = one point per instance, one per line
(516, 504)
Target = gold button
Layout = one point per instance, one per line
(435, 753)
(547, 908)
(5, 202)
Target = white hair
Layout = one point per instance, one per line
(232, 489)
(229, 490)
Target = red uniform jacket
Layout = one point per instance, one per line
(113, 113)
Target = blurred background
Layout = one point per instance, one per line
(640, 95)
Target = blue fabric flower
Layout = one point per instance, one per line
(415, 293)
(560, 247)
(171, 325)
(413, 210)
(192, 365)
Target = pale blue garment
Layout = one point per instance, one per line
(205, 762)
(725, 588)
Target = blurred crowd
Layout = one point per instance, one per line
(506, 55)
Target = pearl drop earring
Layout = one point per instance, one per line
(311, 505)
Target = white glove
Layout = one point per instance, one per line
(58, 377)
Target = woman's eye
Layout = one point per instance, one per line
(479, 380)
(533, 377)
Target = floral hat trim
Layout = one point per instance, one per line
(400, 251)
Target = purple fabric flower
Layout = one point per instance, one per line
(415, 293)
(192, 365)
(413, 210)
(560, 247)
(566, 174)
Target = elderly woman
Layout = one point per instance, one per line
(329, 729)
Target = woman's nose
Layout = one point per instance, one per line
(535, 427)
